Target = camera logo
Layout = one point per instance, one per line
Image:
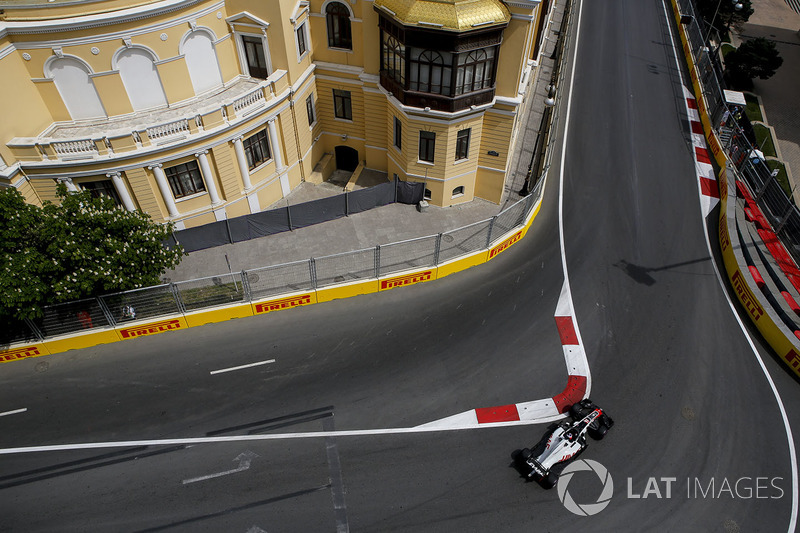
(585, 509)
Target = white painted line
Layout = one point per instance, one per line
(14, 412)
(789, 435)
(241, 367)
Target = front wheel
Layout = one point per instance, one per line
(599, 433)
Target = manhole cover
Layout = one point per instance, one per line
(731, 526)
(447, 238)
(252, 278)
(687, 413)
(42, 366)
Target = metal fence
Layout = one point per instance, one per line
(749, 163)
(261, 283)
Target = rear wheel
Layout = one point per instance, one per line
(549, 481)
(525, 454)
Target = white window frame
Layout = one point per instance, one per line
(238, 34)
(302, 26)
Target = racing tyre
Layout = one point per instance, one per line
(575, 411)
(549, 481)
(599, 433)
(525, 454)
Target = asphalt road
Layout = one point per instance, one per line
(669, 362)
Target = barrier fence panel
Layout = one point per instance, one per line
(341, 268)
(69, 317)
(140, 304)
(279, 279)
(406, 255)
(463, 241)
(211, 291)
(509, 219)
(14, 331)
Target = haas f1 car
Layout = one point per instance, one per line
(562, 444)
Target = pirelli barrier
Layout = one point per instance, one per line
(783, 342)
(520, 219)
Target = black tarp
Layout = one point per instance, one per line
(297, 216)
(410, 192)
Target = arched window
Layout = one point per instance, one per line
(394, 59)
(201, 59)
(429, 71)
(475, 71)
(458, 191)
(338, 17)
(140, 77)
(76, 88)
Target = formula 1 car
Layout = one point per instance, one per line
(562, 444)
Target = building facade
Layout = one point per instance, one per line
(199, 110)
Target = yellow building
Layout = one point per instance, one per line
(199, 110)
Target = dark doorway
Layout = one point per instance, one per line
(346, 158)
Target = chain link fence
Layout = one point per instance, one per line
(737, 141)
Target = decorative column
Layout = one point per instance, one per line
(241, 159)
(122, 190)
(276, 154)
(205, 168)
(244, 170)
(166, 193)
(68, 182)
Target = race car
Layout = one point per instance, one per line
(563, 443)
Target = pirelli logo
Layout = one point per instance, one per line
(746, 296)
(724, 237)
(150, 329)
(391, 283)
(792, 359)
(505, 244)
(20, 353)
(285, 303)
(723, 183)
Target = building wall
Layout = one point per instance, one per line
(39, 138)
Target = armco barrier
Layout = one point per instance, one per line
(766, 321)
(237, 295)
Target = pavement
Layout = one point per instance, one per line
(383, 225)
(777, 21)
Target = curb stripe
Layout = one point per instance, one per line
(697, 127)
(566, 330)
(692, 103)
(503, 413)
(573, 393)
(702, 155)
(709, 187)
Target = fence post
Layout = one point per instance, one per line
(396, 184)
(107, 312)
(228, 227)
(177, 295)
(437, 249)
(377, 261)
(489, 234)
(36, 331)
(246, 286)
(289, 217)
(312, 270)
(346, 204)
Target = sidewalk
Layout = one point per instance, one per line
(776, 21)
(383, 225)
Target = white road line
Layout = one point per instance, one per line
(241, 367)
(14, 412)
(776, 394)
(566, 288)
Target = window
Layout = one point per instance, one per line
(301, 39)
(458, 191)
(429, 71)
(475, 70)
(185, 179)
(139, 76)
(427, 145)
(256, 59)
(256, 149)
(426, 195)
(398, 133)
(201, 60)
(71, 77)
(102, 188)
(310, 110)
(394, 59)
(342, 107)
(462, 144)
(338, 18)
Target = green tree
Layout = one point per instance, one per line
(755, 58)
(82, 247)
(722, 14)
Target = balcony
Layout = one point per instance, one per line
(146, 131)
(438, 102)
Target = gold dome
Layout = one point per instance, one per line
(449, 15)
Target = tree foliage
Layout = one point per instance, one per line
(723, 13)
(82, 247)
(755, 58)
